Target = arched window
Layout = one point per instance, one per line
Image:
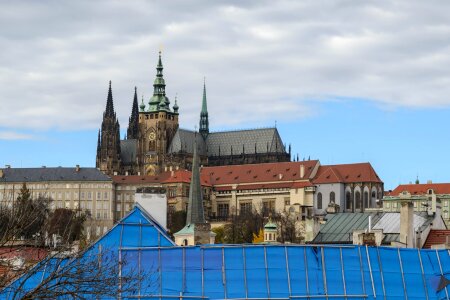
(332, 197)
(319, 201)
(357, 200)
(374, 195)
(348, 200)
(366, 199)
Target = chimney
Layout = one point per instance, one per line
(302, 171)
(280, 176)
(1, 173)
(77, 168)
(429, 181)
(165, 169)
(115, 173)
(139, 173)
(437, 221)
(407, 224)
(126, 173)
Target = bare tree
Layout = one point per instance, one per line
(66, 272)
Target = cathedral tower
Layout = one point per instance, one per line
(133, 121)
(157, 126)
(108, 144)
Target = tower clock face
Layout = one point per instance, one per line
(152, 136)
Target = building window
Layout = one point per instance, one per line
(118, 207)
(98, 230)
(105, 215)
(319, 201)
(332, 197)
(366, 199)
(388, 205)
(89, 195)
(172, 192)
(348, 201)
(246, 208)
(99, 195)
(445, 214)
(357, 200)
(222, 210)
(394, 205)
(445, 203)
(287, 201)
(268, 207)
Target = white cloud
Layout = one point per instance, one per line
(11, 135)
(263, 60)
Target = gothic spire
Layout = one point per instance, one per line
(159, 101)
(204, 123)
(99, 143)
(195, 204)
(109, 112)
(132, 131)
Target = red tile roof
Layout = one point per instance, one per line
(436, 237)
(253, 173)
(178, 176)
(422, 189)
(346, 173)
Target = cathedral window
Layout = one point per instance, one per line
(319, 201)
(366, 199)
(332, 197)
(357, 200)
(348, 200)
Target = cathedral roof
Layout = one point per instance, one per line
(245, 141)
(183, 141)
(229, 142)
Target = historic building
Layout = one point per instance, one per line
(154, 141)
(429, 197)
(347, 188)
(81, 189)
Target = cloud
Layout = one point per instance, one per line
(263, 61)
(11, 135)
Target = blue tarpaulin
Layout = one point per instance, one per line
(267, 271)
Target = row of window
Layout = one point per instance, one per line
(46, 186)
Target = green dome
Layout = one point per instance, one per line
(270, 225)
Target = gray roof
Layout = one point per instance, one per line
(183, 141)
(265, 139)
(390, 222)
(52, 174)
(339, 227)
(128, 151)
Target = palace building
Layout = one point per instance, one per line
(155, 143)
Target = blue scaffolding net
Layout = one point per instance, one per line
(158, 269)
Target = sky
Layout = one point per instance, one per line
(344, 81)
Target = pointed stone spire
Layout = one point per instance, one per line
(109, 111)
(195, 206)
(99, 143)
(204, 122)
(159, 101)
(132, 132)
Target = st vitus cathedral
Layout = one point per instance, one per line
(155, 143)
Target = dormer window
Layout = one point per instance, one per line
(430, 192)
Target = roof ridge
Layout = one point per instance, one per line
(244, 129)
